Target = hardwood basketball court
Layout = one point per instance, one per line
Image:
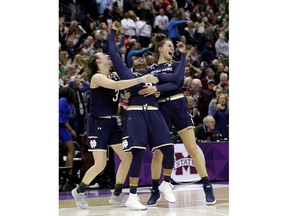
(190, 200)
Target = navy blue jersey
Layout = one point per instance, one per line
(104, 101)
(167, 68)
(125, 73)
(135, 98)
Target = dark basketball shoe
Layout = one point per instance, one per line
(210, 198)
(155, 196)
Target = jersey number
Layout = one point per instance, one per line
(116, 96)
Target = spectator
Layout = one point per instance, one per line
(67, 99)
(63, 31)
(173, 33)
(102, 5)
(193, 111)
(99, 42)
(135, 51)
(220, 111)
(70, 70)
(87, 48)
(210, 89)
(208, 53)
(129, 25)
(200, 96)
(78, 122)
(161, 22)
(194, 56)
(222, 47)
(143, 32)
(205, 37)
(189, 33)
(63, 61)
(216, 91)
(177, 53)
(206, 131)
(223, 80)
(209, 76)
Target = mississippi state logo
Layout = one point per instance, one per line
(184, 167)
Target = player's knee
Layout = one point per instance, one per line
(126, 158)
(168, 159)
(158, 156)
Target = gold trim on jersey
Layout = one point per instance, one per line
(143, 107)
(173, 97)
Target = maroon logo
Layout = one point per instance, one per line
(183, 163)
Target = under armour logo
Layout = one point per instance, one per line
(125, 144)
(93, 143)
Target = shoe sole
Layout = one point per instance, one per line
(134, 209)
(113, 202)
(211, 203)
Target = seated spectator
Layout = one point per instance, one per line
(210, 88)
(206, 131)
(193, 55)
(224, 82)
(193, 111)
(200, 96)
(209, 76)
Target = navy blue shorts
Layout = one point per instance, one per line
(64, 134)
(145, 127)
(102, 133)
(176, 112)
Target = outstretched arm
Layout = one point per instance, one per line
(178, 75)
(122, 71)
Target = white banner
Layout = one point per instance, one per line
(184, 169)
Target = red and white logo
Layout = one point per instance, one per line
(184, 168)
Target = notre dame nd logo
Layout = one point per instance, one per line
(93, 143)
(184, 168)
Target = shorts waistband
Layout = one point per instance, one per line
(107, 117)
(143, 107)
(173, 97)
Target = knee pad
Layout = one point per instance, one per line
(136, 163)
(168, 156)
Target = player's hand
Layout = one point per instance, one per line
(127, 96)
(116, 25)
(147, 90)
(149, 78)
(181, 46)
